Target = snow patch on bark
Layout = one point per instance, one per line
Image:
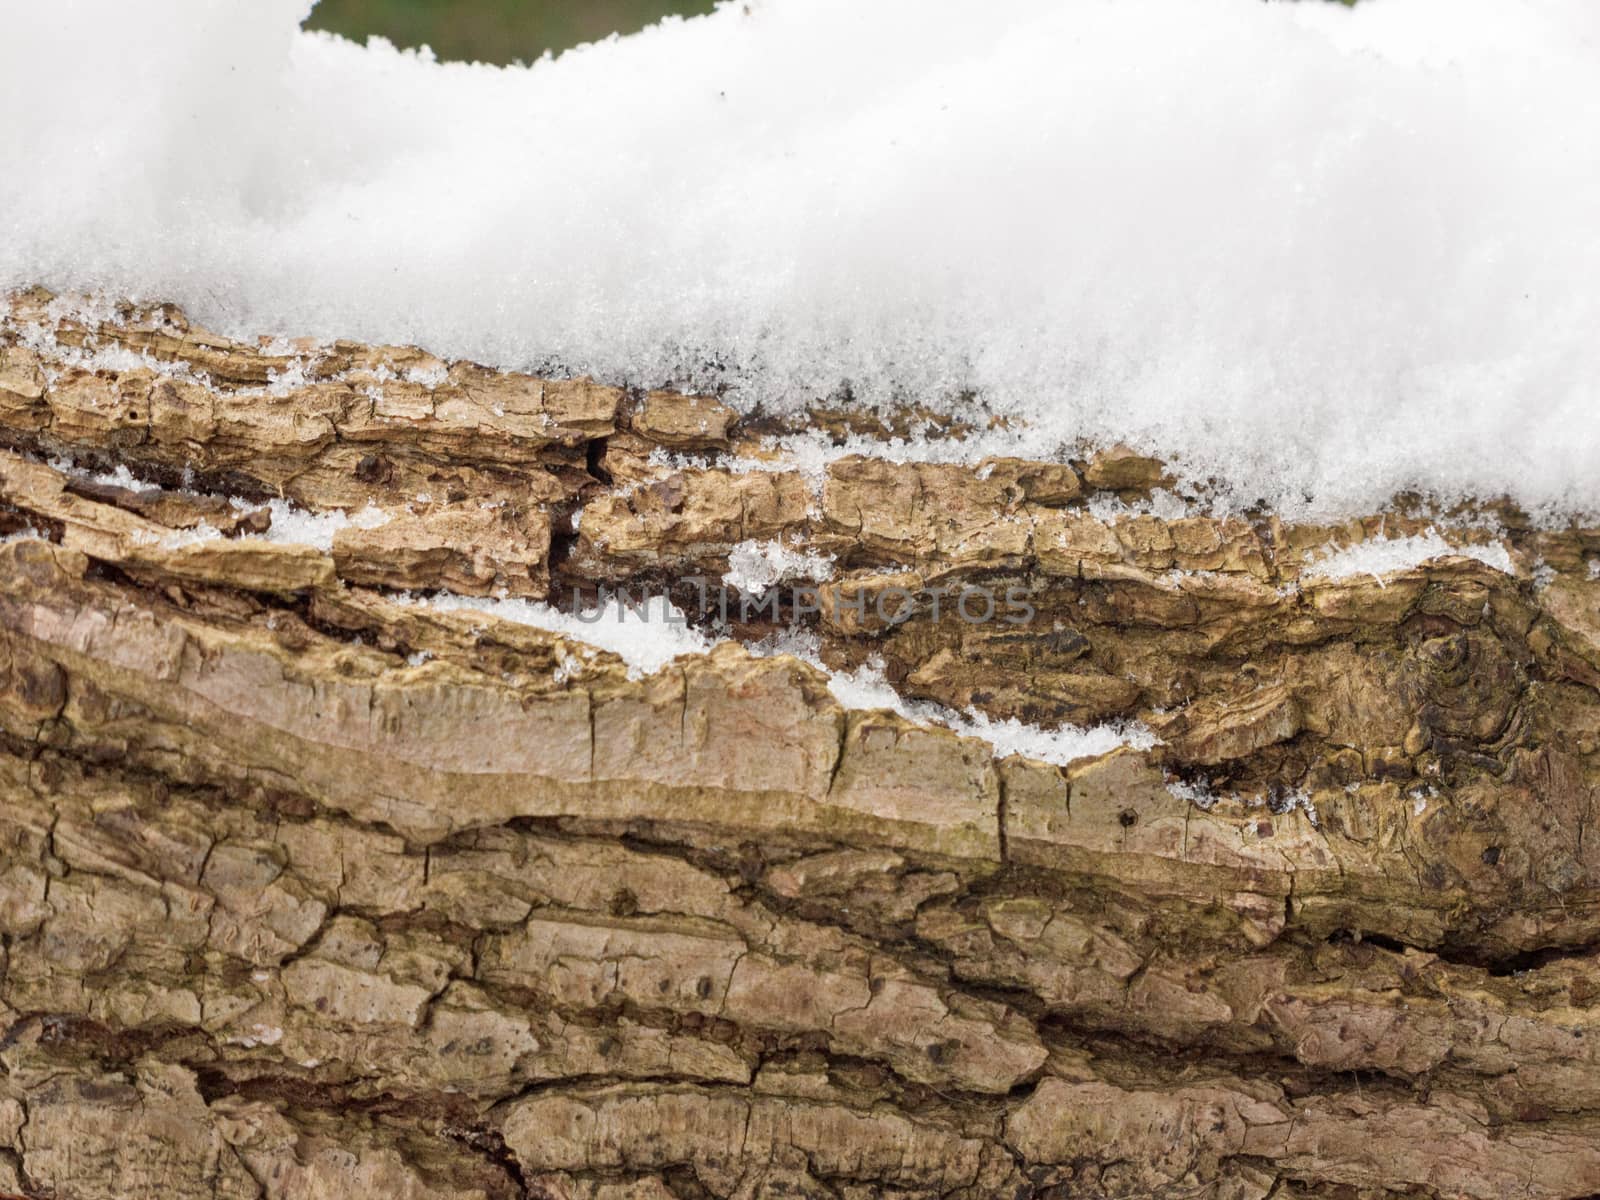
(867, 688)
(1383, 556)
(755, 566)
(299, 526)
(647, 636)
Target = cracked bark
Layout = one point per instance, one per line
(310, 891)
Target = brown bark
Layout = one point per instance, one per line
(311, 890)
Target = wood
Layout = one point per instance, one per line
(310, 889)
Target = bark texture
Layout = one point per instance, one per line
(309, 890)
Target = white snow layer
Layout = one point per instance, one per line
(1321, 254)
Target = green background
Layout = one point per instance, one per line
(497, 31)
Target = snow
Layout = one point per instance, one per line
(120, 477)
(1061, 745)
(290, 523)
(1197, 794)
(1279, 802)
(303, 527)
(1290, 801)
(1382, 556)
(867, 688)
(203, 532)
(646, 635)
(755, 566)
(1108, 506)
(648, 643)
(1321, 254)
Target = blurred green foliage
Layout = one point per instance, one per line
(497, 31)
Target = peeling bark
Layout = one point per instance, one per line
(308, 889)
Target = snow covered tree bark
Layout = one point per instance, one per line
(312, 889)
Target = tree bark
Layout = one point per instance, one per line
(311, 889)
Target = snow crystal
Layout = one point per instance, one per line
(793, 640)
(567, 666)
(303, 527)
(429, 377)
(1382, 556)
(1279, 802)
(120, 476)
(282, 383)
(867, 688)
(1197, 794)
(1322, 254)
(178, 539)
(91, 357)
(646, 636)
(1107, 506)
(755, 566)
(1289, 802)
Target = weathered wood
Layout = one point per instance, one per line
(308, 889)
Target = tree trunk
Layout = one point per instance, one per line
(309, 888)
